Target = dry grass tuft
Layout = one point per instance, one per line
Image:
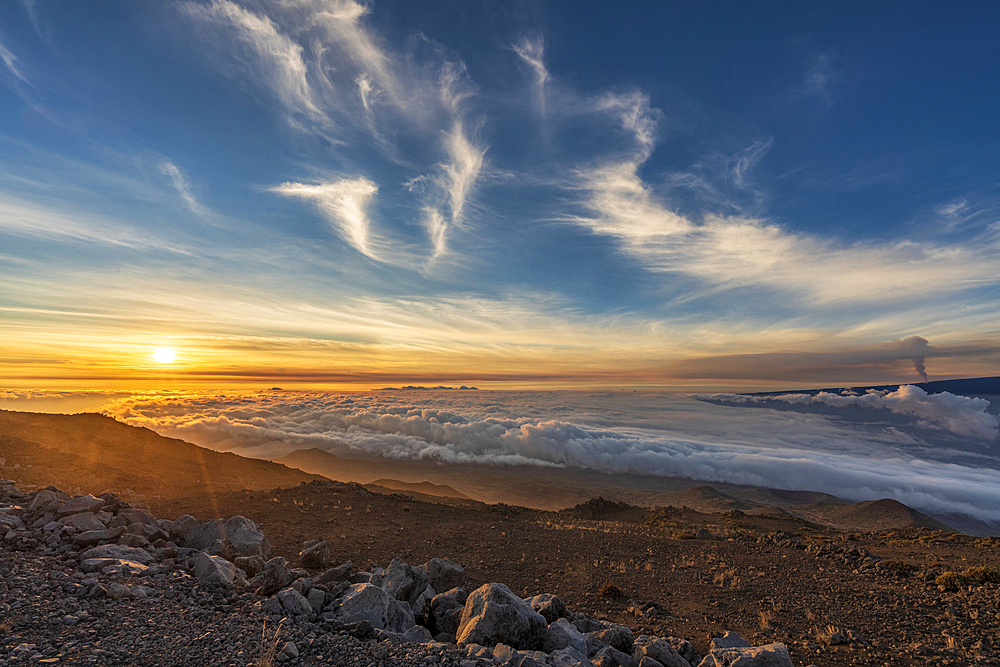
(7, 626)
(765, 620)
(609, 590)
(268, 648)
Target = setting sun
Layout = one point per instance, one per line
(164, 355)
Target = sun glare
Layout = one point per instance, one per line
(164, 355)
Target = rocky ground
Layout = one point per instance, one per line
(110, 584)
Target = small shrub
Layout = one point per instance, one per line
(950, 580)
(974, 576)
(609, 590)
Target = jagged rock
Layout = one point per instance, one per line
(295, 603)
(82, 521)
(548, 605)
(769, 655)
(404, 582)
(569, 657)
(245, 536)
(290, 650)
(561, 634)
(270, 606)
(79, 504)
(214, 570)
(446, 611)
(585, 623)
(617, 637)
(92, 537)
(367, 602)
(120, 552)
(137, 541)
(728, 640)
(610, 657)
(336, 574)
(112, 503)
(276, 575)
(645, 661)
(443, 574)
(46, 498)
(659, 650)
(316, 598)
(418, 634)
(315, 554)
(183, 527)
(685, 649)
(494, 615)
(252, 565)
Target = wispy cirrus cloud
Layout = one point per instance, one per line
(344, 203)
(532, 52)
(333, 76)
(737, 252)
(183, 187)
(9, 59)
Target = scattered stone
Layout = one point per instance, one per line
(443, 574)
(404, 582)
(80, 504)
(770, 655)
(494, 615)
(214, 570)
(315, 555)
(336, 574)
(728, 640)
(548, 605)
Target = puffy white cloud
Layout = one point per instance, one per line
(958, 414)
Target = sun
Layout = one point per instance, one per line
(164, 355)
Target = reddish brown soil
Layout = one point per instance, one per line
(696, 586)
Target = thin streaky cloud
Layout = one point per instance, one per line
(9, 59)
(26, 218)
(735, 252)
(532, 51)
(180, 183)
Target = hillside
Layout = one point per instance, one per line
(94, 453)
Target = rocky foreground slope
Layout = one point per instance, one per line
(96, 580)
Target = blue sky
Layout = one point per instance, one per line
(661, 194)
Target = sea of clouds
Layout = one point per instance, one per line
(939, 453)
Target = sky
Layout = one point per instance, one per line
(334, 194)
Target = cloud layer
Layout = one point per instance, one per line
(652, 434)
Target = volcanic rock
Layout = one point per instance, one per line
(494, 615)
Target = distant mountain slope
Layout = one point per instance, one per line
(95, 453)
(421, 487)
(881, 514)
